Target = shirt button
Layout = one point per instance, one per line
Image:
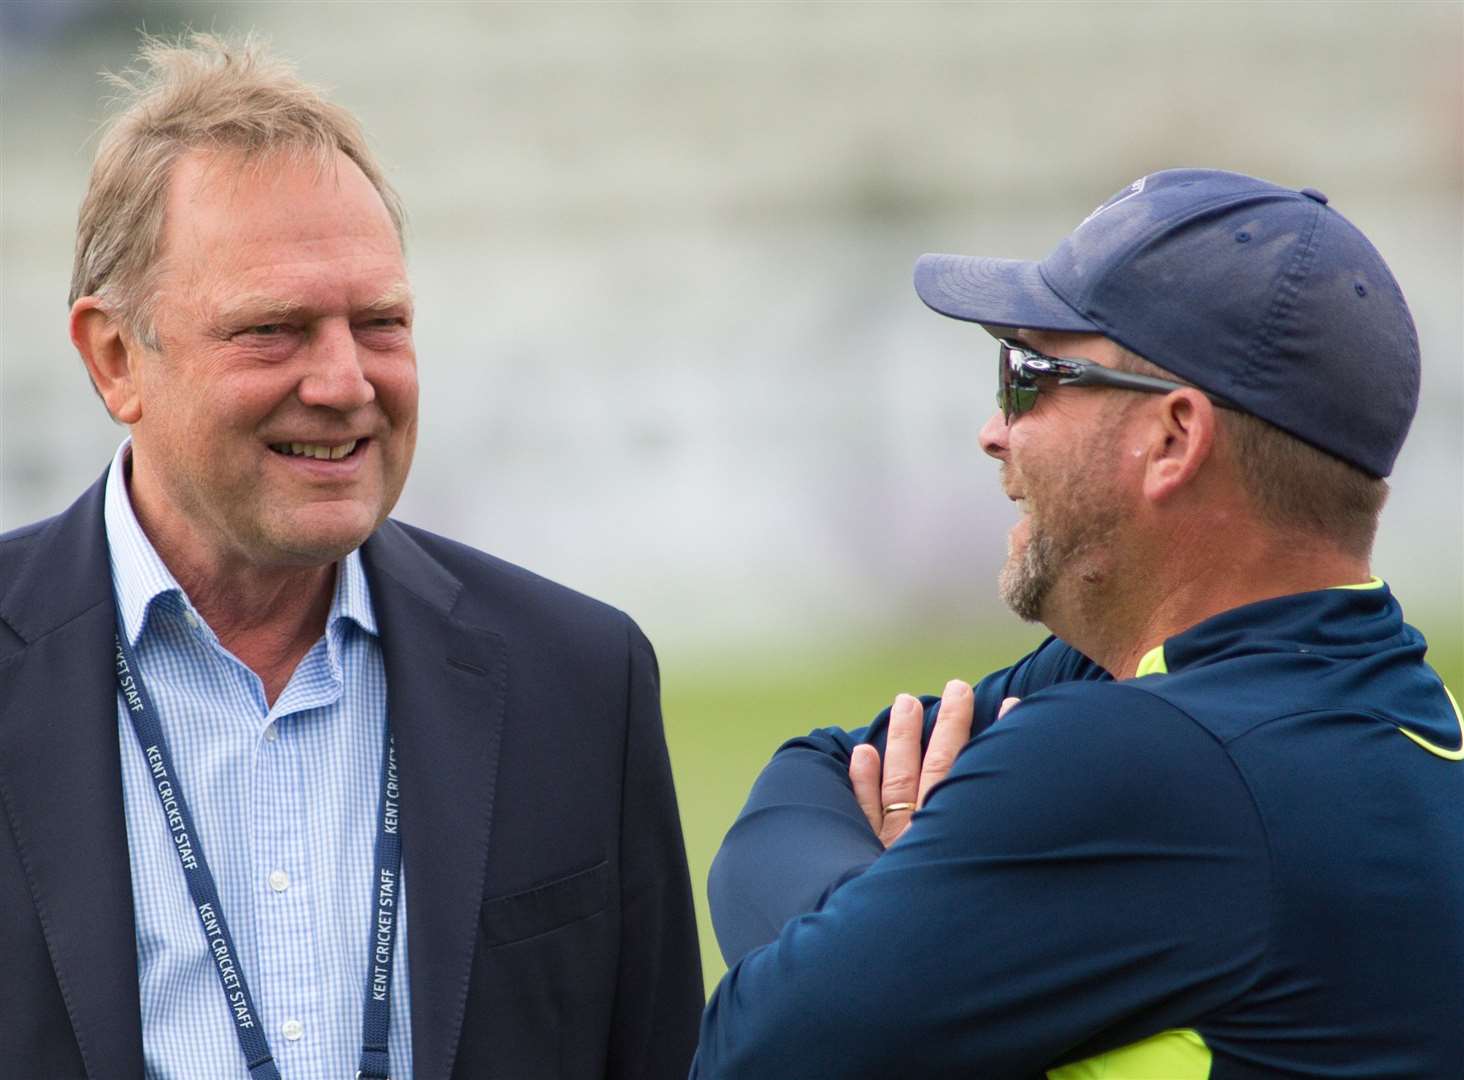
(292, 1029)
(271, 732)
(279, 881)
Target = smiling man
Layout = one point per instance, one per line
(1209, 828)
(291, 789)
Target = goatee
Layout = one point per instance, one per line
(1028, 577)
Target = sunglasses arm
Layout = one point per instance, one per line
(1094, 375)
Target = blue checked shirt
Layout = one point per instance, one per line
(284, 800)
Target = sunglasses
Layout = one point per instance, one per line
(1019, 369)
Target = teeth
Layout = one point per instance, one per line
(319, 451)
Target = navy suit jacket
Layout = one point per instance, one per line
(552, 932)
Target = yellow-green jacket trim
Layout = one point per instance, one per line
(1171, 1055)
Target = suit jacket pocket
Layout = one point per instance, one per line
(545, 907)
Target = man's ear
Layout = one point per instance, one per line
(1182, 438)
(113, 358)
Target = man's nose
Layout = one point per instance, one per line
(334, 378)
(994, 435)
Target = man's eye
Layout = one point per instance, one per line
(273, 329)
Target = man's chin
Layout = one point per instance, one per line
(1018, 595)
(1024, 582)
(320, 539)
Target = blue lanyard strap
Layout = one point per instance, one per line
(376, 1021)
(376, 1017)
(201, 886)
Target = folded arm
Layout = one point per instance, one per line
(803, 832)
(1089, 875)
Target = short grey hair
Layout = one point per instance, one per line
(198, 92)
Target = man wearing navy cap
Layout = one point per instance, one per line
(1220, 835)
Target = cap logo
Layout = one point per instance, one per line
(1133, 189)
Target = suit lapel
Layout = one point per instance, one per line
(61, 786)
(61, 780)
(446, 686)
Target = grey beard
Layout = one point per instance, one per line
(1025, 581)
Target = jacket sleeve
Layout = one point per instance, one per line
(801, 833)
(1091, 873)
(659, 992)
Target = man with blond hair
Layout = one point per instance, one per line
(1211, 828)
(291, 789)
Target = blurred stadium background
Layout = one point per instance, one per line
(670, 352)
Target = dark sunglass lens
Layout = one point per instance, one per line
(1014, 393)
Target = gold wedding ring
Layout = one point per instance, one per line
(892, 807)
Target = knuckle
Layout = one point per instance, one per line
(899, 782)
(936, 762)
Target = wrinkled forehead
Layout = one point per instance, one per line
(230, 195)
(285, 226)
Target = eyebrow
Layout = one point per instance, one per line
(396, 295)
(258, 306)
(264, 306)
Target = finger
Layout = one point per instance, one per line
(864, 770)
(901, 779)
(1007, 705)
(952, 732)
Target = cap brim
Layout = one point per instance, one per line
(1000, 294)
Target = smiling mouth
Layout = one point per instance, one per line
(319, 451)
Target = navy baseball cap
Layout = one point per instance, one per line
(1260, 294)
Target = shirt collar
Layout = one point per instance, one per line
(352, 598)
(140, 577)
(1346, 620)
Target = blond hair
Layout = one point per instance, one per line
(199, 92)
(1294, 486)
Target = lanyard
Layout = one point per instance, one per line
(376, 1018)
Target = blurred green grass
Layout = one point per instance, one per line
(726, 715)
